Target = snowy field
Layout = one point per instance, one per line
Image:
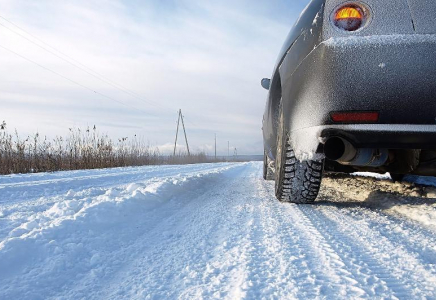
(212, 231)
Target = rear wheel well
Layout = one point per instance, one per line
(275, 98)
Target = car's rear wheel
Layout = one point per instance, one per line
(268, 172)
(296, 181)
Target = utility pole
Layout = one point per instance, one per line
(180, 117)
(215, 146)
(186, 138)
(177, 133)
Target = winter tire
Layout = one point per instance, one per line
(296, 182)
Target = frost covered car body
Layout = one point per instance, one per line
(356, 98)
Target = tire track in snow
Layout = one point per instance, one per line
(206, 264)
(206, 256)
(225, 272)
(401, 271)
(401, 232)
(270, 264)
(277, 267)
(375, 202)
(330, 271)
(371, 276)
(306, 260)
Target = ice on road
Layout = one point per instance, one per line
(212, 231)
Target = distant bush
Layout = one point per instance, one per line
(81, 149)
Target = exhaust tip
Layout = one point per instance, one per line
(334, 148)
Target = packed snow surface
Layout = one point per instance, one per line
(212, 231)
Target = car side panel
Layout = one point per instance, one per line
(303, 38)
(312, 16)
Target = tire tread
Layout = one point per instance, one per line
(309, 181)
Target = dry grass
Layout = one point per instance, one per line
(81, 149)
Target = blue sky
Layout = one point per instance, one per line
(205, 57)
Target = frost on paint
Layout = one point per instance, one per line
(379, 40)
(315, 20)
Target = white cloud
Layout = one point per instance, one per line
(206, 58)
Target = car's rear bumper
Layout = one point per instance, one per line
(394, 75)
(306, 142)
(392, 136)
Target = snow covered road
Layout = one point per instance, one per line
(211, 231)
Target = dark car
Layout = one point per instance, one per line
(354, 89)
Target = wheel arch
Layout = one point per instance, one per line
(274, 98)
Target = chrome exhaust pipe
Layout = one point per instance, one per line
(342, 151)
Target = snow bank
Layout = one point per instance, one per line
(52, 242)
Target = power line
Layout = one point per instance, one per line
(70, 60)
(73, 81)
(193, 124)
(77, 64)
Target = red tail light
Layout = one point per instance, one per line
(349, 17)
(355, 117)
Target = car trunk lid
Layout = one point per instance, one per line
(423, 15)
